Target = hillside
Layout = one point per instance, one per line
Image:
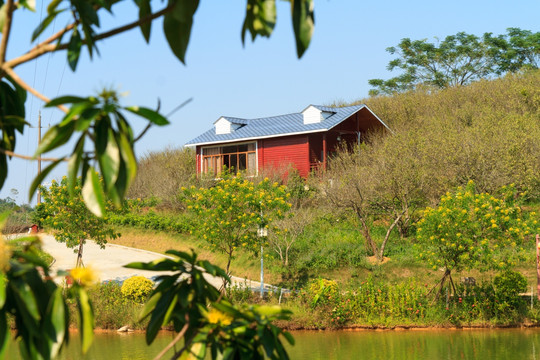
(486, 132)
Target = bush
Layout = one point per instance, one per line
(137, 288)
(508, 286)
(112, 309)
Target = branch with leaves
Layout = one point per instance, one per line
(207, 321)
(104, 159)
(104, 127)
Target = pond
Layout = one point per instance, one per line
(500, 344)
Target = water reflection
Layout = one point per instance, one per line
(418, 345)
(511, 344)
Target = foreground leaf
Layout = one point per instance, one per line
(92, 193)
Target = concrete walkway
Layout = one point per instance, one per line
(109, 262)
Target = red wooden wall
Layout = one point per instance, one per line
(280, 152)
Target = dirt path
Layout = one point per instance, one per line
(109, 262)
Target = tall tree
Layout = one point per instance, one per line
(516, 50)
(69, 219)
(458, 60)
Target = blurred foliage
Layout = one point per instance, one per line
(30, 297)
(19, 218)
(206, 321)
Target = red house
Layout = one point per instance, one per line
(303, 140)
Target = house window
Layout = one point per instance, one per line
(240, 157)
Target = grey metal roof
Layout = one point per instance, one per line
(289, 124)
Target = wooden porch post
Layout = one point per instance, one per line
(324, 150)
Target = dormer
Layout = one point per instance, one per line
(312, 115)
(225, 126)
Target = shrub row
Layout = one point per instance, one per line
(152, 220)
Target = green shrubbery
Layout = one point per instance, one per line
(377, 303)
(152, 220)
(112, 309)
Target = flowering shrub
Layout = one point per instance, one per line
(475, 230)
(67, 215)
(228, 215)
(137, 288)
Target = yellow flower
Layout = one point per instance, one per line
(84, 276)
(217, 317)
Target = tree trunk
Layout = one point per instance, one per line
(369, 241)
(440, 285)
(79, 262)
(225, 282)
(383, 246)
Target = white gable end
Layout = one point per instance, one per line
(312, 115)
(223, 126)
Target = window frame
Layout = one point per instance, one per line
(219, 158)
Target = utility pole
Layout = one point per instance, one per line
(39, 158)
(538, 266)
(262, 233)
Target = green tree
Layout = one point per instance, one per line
(458, 60)
(516, 50)
(70, 219)
(229, 214)
(470, 230)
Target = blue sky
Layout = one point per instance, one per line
(225, 78)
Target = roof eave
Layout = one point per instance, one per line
(255, 138)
